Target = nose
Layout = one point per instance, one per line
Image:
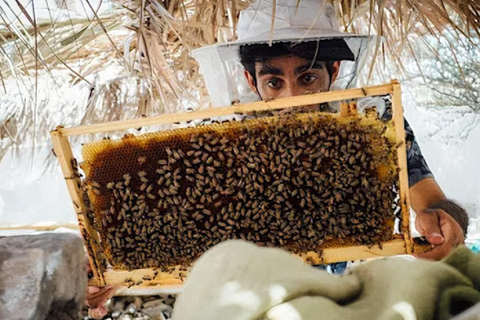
(291, 89)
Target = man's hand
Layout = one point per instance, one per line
(441, 230)
(97, 297)
(96, 300)
(441, 221)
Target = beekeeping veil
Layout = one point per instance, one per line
(310, 20)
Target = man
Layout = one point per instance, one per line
(303, 53)
(280, 71)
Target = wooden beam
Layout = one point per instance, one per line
(63, 152)
(398, 121)
(332, 255)
(172, 280)
(147, 277)
(225, 111)
(40, 227)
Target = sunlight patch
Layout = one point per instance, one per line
(232, 294)
(277, 294)
(283, 312)
(405, 310)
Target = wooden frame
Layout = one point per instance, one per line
(35, 227)
(402, 244)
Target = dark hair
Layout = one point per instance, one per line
(328, 51)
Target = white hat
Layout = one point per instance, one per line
(310, 20)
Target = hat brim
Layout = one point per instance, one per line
(295, 36)
(325, 50)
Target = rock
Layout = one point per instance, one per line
(138, 303)
(116, 314)
(42, 277)
(170, 300)
(125, 316)
(152, 303)
(132, 308)
(109, 304)
(118, 305)
(158, 317)
(167, 308)
(155, 311)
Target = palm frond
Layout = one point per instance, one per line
(150, 42)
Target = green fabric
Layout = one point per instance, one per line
(454, 300)
(237, 280)
(467, 262)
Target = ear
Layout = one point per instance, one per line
(250, 80)
(335, 70)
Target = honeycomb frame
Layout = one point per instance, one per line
(175, 275)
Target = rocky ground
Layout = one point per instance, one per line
(158, 307)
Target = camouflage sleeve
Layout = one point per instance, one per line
(416, 163)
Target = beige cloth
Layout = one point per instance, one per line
(237, 280)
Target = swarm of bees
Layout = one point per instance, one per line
(302, 182)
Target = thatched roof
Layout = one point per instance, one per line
(171, 28)
(152, 40)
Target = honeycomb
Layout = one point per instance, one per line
(302, 182)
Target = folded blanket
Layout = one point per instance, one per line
(237, 280)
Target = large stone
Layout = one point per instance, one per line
(42, 277)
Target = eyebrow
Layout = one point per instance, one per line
(309, 65)
(268, 69)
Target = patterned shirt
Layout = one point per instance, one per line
(416, 164)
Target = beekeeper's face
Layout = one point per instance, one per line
(289, 76)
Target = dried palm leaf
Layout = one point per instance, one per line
(155, 55)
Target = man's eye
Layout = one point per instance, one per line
(309, 78)
(274, 83)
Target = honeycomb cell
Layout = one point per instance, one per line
(302, 182)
